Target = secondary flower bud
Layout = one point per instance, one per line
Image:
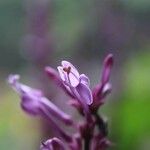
(108, 63)
(104, 87)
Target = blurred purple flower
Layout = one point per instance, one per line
(34, 102)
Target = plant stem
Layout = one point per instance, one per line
(101, 125)
(87, 143)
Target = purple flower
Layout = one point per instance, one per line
(52, 144)
(34, 103)
(76, 84)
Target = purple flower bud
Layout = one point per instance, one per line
(104, 87)
(33, 101)
(108, 63)
(52, 144)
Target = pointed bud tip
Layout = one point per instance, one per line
(109, 59)
(50, 72)
(47, 69)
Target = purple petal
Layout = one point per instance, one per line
(61, 73)
(53, 144)
(71, 78)
(30, 104)
(108, 63)
(85, 93)
(84, 79)
(73, 69)
(69, 74)
(74, 81)
(30, 98)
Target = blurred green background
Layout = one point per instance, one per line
(82, 31)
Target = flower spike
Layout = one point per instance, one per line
(90, 133)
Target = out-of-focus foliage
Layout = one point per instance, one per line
(11, 27)
(131, 121)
